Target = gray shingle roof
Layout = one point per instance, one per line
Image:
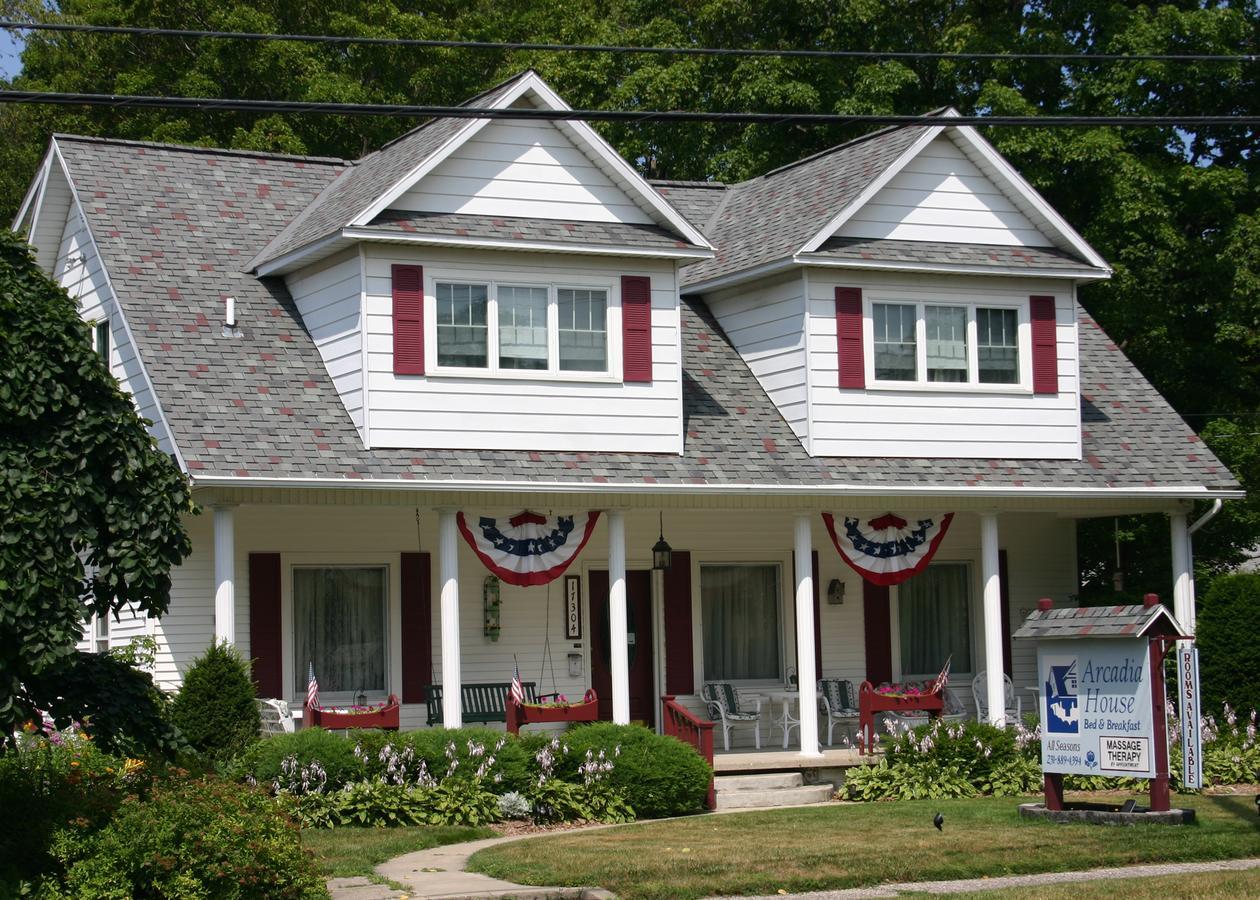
(696, 200)
(1075, 623)
(176, 225)
(612, 234)
(771, 217)
(936, 253)
(369, 178)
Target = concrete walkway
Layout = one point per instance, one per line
(969, 885)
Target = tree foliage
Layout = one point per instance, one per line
(1229, 653)
(1177, 213)
(91, 508)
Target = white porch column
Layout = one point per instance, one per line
(1183, 585)
(448, 576)
(993, 637)
(224, 575)
(806, 677)
(618, 631)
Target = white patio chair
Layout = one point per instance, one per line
(979, 691)
(275, 717)
(724, 705)
(954, 711)
(837, 701)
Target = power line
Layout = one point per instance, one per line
(1082, 58)
(221, 104)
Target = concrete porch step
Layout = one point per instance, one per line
(767, 781)
(765, 799)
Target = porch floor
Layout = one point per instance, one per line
(777, 760)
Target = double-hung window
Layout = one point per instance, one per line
(339, 628)
(509, 326)
(739, 606)
(948, 343)
(934, 620)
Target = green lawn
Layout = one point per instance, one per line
(342, 852)
(852, 845)
(1201, 886)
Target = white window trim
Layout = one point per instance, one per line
(969, 302)
(612, 320)
(787, 614)
(975, 613)
(393, 622)
(94, 639)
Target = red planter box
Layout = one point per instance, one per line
(529, 713)
(871, 701)
(386, 717)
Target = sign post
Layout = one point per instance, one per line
(1191, 724)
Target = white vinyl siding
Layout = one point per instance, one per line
(765, 322)
(328, 297)
(526, 170)
(941, 195)
(78, 270)
(523, 409)
(939, 419)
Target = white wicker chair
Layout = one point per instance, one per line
(275, 717)
(979, 691)
(724, 705)
(837, 700)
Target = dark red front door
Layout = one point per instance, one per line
(639, 651)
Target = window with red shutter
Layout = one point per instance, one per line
(408, 293)
(849, 337)
(636, 328)
(1045, 348)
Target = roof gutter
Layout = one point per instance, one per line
(1206, 517)
(827, 490)
(1081, 274)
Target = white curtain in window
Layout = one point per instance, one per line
(934, 609)
(946, 343)
(739, 606)
(339, 625)
(522, 327)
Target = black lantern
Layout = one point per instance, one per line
(662, 553)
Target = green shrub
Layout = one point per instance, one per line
(1229, 655)
(925, 779)
(215, 708)
(655, 774)
(335, 752)
(189, 838)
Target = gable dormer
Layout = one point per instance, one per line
(507, 284)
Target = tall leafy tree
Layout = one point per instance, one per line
(91, 509)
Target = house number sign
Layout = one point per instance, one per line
(572, 607)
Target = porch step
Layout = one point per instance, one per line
(764, 791)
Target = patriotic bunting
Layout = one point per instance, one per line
(527, 548)
(888, 550)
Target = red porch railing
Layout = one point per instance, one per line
(678, 721)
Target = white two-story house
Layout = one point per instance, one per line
(440, 403)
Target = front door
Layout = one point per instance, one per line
(639, 651)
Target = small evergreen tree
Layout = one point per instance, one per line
(1229, 654)
(215, 708)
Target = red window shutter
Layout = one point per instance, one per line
(849, 337)
(264, 624)
(1045, 349)
(875, 615)
(408, 290)
(817, 621)
(1004, 584)
(679, 664)
(636, 328)
(417, 627)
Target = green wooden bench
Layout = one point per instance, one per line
(483, 702)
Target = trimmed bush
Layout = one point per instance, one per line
(657, 775)
(190, 838)
(1229, 654)
(335, 752)
(216, 709)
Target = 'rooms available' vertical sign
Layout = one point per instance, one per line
(1096, 708)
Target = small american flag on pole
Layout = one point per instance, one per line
(517, 691)
(312, 689)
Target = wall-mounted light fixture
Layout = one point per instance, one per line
(835, 592)
(662, 553)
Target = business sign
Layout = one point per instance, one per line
(1191, 735)
(1096, 716)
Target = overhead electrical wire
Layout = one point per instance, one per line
(1066, 58)
(221, 104)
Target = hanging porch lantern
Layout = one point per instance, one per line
(662, 553)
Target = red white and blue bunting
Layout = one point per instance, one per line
(527, 548)
(888, 549)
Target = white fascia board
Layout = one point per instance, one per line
(35, 193)
(591, 138)
(304, 254)
(1028, 193)
(1081, 274)
(365, 234)
(872, 189)
(122, 317)
(1171, 492)
(737, 278)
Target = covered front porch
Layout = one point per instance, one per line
(379, 591)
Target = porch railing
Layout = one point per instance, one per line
(680, 722)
